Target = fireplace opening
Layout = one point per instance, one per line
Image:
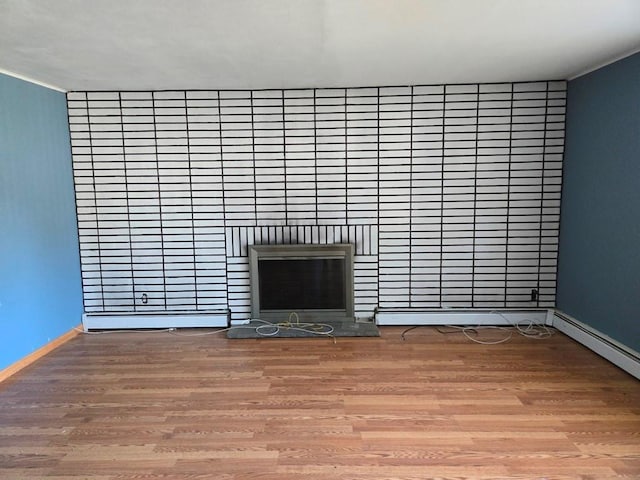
(315, 281)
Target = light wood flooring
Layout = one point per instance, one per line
(159, 406)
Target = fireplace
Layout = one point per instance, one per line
(314, 281)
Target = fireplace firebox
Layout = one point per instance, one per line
(314, 281)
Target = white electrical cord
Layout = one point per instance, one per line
(270, 329)
(530, 328)
(527, 328)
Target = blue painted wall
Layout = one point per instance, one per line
(40, 287)
(599, 265)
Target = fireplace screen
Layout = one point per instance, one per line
(315, 281)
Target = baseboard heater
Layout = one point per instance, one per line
(605, 346)
(168, 319)
(450, 316)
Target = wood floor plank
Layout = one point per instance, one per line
(160, 406)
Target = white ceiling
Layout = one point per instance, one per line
(215, 44)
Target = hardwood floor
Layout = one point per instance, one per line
(152, 406)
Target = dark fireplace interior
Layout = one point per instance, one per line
(314, 281)
(302, 284)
